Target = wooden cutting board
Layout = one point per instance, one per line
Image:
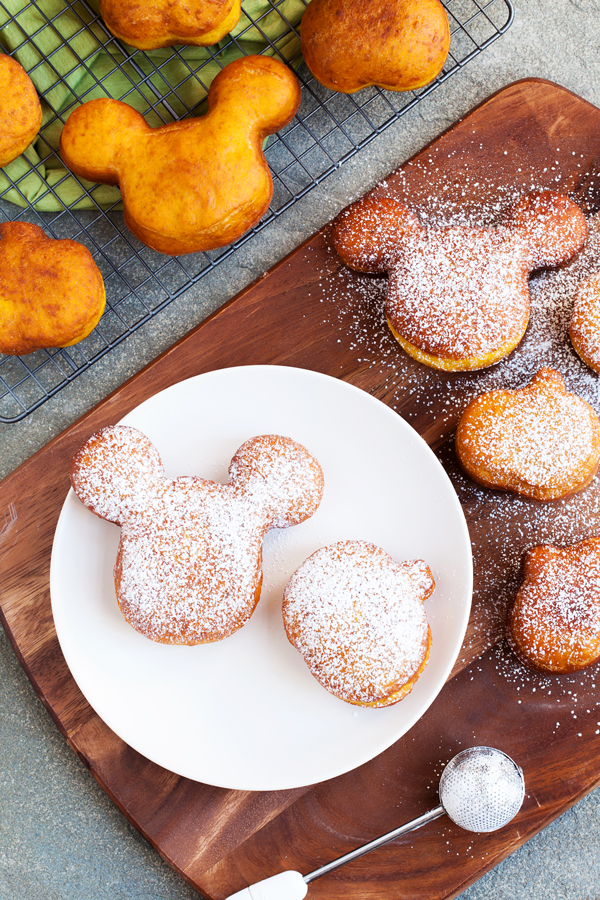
(311, 312)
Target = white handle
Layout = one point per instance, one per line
(285, 886)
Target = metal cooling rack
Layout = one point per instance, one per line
(72, 57)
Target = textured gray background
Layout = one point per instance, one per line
(60, 837)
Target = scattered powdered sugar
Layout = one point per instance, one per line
(503, 525)
(188, 568)
(574, 696)
(358, 619)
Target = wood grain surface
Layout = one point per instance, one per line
(311, 312)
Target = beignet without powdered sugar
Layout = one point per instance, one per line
(161, 23)
(196, 184)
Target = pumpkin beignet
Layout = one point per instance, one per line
(161, 23)
(458, 296)
(20, 110)
(189, 563)
(197, 184)
(554, 623)
(398, 45)
(357, 618)
(539, 440)
(51, 291)
(584, 328)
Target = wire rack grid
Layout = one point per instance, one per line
(72, 57)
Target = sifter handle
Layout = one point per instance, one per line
(284, 886)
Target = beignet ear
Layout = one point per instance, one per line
(116, 469)
(553, 227)
(280, 474)
(367, 234)
(258, 90)
(93, 135)
(418, 574)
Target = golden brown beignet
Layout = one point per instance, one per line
(539, 440)
(51, 291)
(189, 564)
(554, 624)
(357, 617)
(398, 45)
(149, 24)
(197, 184)
(584, 329)
(458, 296)
(20, 110)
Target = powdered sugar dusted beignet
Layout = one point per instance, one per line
(189, 564)
(554, 624)
(538, 440)
(584, 329)
(458, 296)
(358, 619)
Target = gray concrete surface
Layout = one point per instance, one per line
(60, 837)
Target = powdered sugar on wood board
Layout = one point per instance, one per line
(502, 525)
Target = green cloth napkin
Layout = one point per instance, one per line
(67, 63)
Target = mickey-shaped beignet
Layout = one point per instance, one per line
(458, 296)
(358, 619)
(584, 329)
(20, 110)
(398, 45)
(197, 184)
(539, 440)
(160, 23)
(554, 624)
(188, 568)
(51, 291)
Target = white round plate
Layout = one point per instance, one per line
(245, 712)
